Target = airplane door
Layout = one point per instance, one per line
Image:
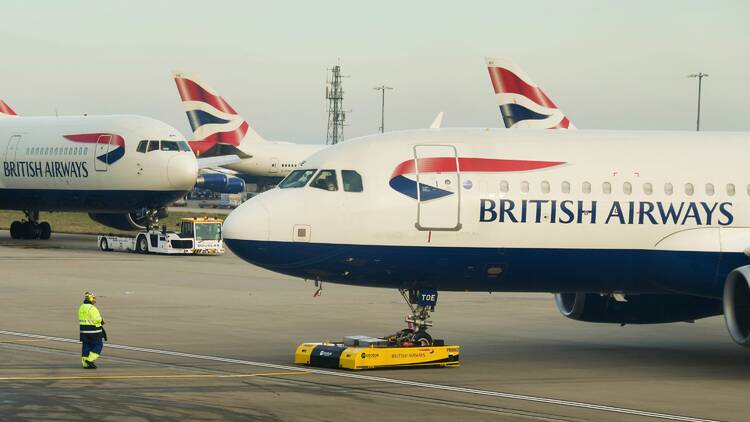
(438, 193)
(12, 148)
(102, 150)
(274, 165)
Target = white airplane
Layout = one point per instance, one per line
(122, 170)
(624, 227)
(522, 102)
(219, 131)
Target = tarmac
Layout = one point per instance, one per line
(212, 338)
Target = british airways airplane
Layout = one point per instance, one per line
(623, 227)
(122, 170)
(219, 130)
(522, 102)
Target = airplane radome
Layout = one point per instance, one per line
(625, 227)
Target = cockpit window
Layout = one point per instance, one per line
(352, 181)
(184, 146)
(142, 146)
(325, 180)
(169, 146)
(153, 146)
(297, 178)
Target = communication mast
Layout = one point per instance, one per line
(336, 113)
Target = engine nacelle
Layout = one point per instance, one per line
(136, 220)
(638, 309)
(221, 183)
(737, 305)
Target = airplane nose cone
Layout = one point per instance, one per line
(248, 222)
(182, 171)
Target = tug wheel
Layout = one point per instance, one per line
(422, 338)
(142, 244)
(104, 245)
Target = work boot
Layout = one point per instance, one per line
(90, 365)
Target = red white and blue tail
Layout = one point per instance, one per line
(217, 128)
(6, 111)
(522, 103)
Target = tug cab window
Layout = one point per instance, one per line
(153, 146)
(325, 180)
(142, 147)
(352, 181)
(169, 146)
(297, 178)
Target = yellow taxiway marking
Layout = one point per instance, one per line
(123, 377)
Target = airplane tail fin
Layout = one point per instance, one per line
(522, 103)
(6, 111)
(217, 128)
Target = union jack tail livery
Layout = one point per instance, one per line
(6, 111)
(217, 128)
(522, 103)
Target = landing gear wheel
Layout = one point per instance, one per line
(141, 245)
(28, 230)
(16, 228)
(422, 338)
(104, 245)
(45, 231)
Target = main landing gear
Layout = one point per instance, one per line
(30, 228)
(421, 302)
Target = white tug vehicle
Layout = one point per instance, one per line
(197, 236)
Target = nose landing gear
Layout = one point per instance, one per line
(30, 228)
(421, 302)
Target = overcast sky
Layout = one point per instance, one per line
(607, 64)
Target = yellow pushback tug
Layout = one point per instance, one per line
(409, 347)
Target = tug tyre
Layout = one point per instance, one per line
(15, 230)
(104, 245)
(141, 245)
(45, 230)
(422, 339)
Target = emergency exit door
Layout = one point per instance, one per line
(101, 153)
(438, 188)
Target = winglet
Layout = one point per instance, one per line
(522, 103)
(6, 111)
(438, 122)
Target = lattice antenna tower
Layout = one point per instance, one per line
(336, 112)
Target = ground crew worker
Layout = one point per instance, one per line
(92, 332)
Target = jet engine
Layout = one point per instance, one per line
(221, 183)
(637, 309)
(136, 220)
(737, 305)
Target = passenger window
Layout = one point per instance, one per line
(504, 187)
(153, 146)
(689, 189)
(648, 188)
(730, 189)
(710, 190)
(325, 180)
(525, 187)
(169, 146)
(352, 181)
(586, 187)
(545, 187)
(565, 187)
(627, 188)
(607, 188)
(668, 188)
(142, 147)
(297, 178)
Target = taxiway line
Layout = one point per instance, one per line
(166, 376)
(383, 380)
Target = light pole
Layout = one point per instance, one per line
(700, 77)
(382, 89)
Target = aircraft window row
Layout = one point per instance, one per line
(324, 179)
(288, 165)
(56, 151)
(148, 146)
(627, 188)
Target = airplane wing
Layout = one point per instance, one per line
(438, 121)
(223, 160)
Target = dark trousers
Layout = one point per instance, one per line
(92, 346)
